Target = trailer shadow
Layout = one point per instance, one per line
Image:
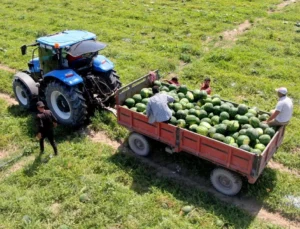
(186, 178)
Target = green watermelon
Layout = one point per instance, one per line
(210, 115)
(203, 95)
(205, 124)
(263, 125)
(203, 114)
(253, 111)
(211, 131)
(242, 109)
(264, 139)
(234, 145)
(202, 130)
(243, 119)
(184, 101)
(242, 132)
(216, 101)
(208, 107)
(260, 146)
(173, 121)
(219, 137)
(208, 100)
(245, 147)
(181, 123)
(233, 126)
(263, 117)
(157, 83)
(193, 127)
(226, 122)
(260, 131)
(183, 89)
(246, 126)
(172, 87)
(178, 106)
(137, 98)
(146, 100)
(193, 111)
(229, 140)
(225, 107)
(254, 122)
(249, 115)
(189, 95)
(164, 88)
(181, 114)
(180, 95)
(140, 107)
(243, 140)
(197, 94)
(125, 106)
(217, 110)
(269, 131)
(130, 102)
(215, 120)
(235, 135)
(224, 116)
(256, 151)
(232, 112)
(221, 128)
(145, 93)
(189, 105)
(133, 109)
(252, 134)
(191, 119)
(206, 120)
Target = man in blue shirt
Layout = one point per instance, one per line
(157, 107)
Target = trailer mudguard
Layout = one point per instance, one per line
(67, 76)
(102, 64)
(28, 82)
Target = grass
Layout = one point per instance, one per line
(116, 190)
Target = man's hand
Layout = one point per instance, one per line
(38, 136)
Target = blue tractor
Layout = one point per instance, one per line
(68, 75)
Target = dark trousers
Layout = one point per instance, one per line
(50, 137)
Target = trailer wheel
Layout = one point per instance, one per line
(225, 181)
(23, 95)
(139, 144)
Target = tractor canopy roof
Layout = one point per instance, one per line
(66, 38)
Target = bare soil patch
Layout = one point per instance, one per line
(275, 165)
(17, 166)
(102, 138)
(8, 99)
(6, 68)
(231, 35)
(282, 5)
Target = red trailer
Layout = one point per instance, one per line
(232, 163)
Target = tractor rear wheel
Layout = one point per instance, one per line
(23, 95)
(66, 103)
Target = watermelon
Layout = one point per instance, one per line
(180, 95)
(224, 116)
(219, 137)
(189, 105)
(173, 112)
(256, 151)
(178, 106)
(205, 124)
(206, 120)
(253, 111)
(130, 102)
(146, 100)
(232, 112)
(269, 131)
(215, 120)
(203, 95)
(197, 94)
(260, 146)
(191, 119)
(164, 88)
(210, 115)
(173, 121)
(193, 111)
(235, 135)
(181, 114)
(229, 140)
(133, 109)
(234, 145)
(184, 101)
(202, 130)
(243, 140)
(181, 123)
(197, 107)
(211, 131)
(249, 115)
(208, 107)
(221, 128)
(254, 122)
(145, 93)
(264, 139)
(245, 147)
(137, 98)
(215, 96)
(263, 125)
(242, 109)
(217, 110)
(187, 209)
(189, 95)
(243, 119)
(242, 132)
(183, 89)
(203, 114)
(140, 107)
(125, 106)
(263, 117)
(157, 83)
(225, 107)
(252, 134)
(246, 126)
(193, 127)
(216, 101)
(226, 122)
(260, 131)
(208, 100)
(233, 126)
(172, 87)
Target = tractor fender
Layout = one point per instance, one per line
(28, 82)
(102, 64)
(67, 76)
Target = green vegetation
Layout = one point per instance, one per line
(88, 185)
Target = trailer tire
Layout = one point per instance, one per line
(23, 95)
(66, 103)
(226, 181)
(139, 144)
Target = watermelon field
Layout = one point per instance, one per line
(247, 47)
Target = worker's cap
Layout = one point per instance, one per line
(282, 90)
(40, 104)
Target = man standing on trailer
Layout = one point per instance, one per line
(157, 107)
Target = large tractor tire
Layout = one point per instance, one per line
(66, 103)
(139, 144)
(23, 95)
(226, 182)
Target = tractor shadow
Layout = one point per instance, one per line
(187, 179)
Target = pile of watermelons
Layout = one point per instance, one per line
(236, 125)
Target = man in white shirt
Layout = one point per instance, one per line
(283, 111)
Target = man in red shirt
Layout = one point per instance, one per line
(174, 80)
(205, 86)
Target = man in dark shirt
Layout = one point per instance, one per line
(45, 123)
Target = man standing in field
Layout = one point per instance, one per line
(174, 80)
(157, 107)
(283, 111)
(205, 86)
(45, 123)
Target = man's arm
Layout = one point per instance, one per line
(273, 116)
(148, 109)
(54, 120)
(170, 99)
(39, 123)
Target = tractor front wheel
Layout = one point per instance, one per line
(66, 103)
(23, 95)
